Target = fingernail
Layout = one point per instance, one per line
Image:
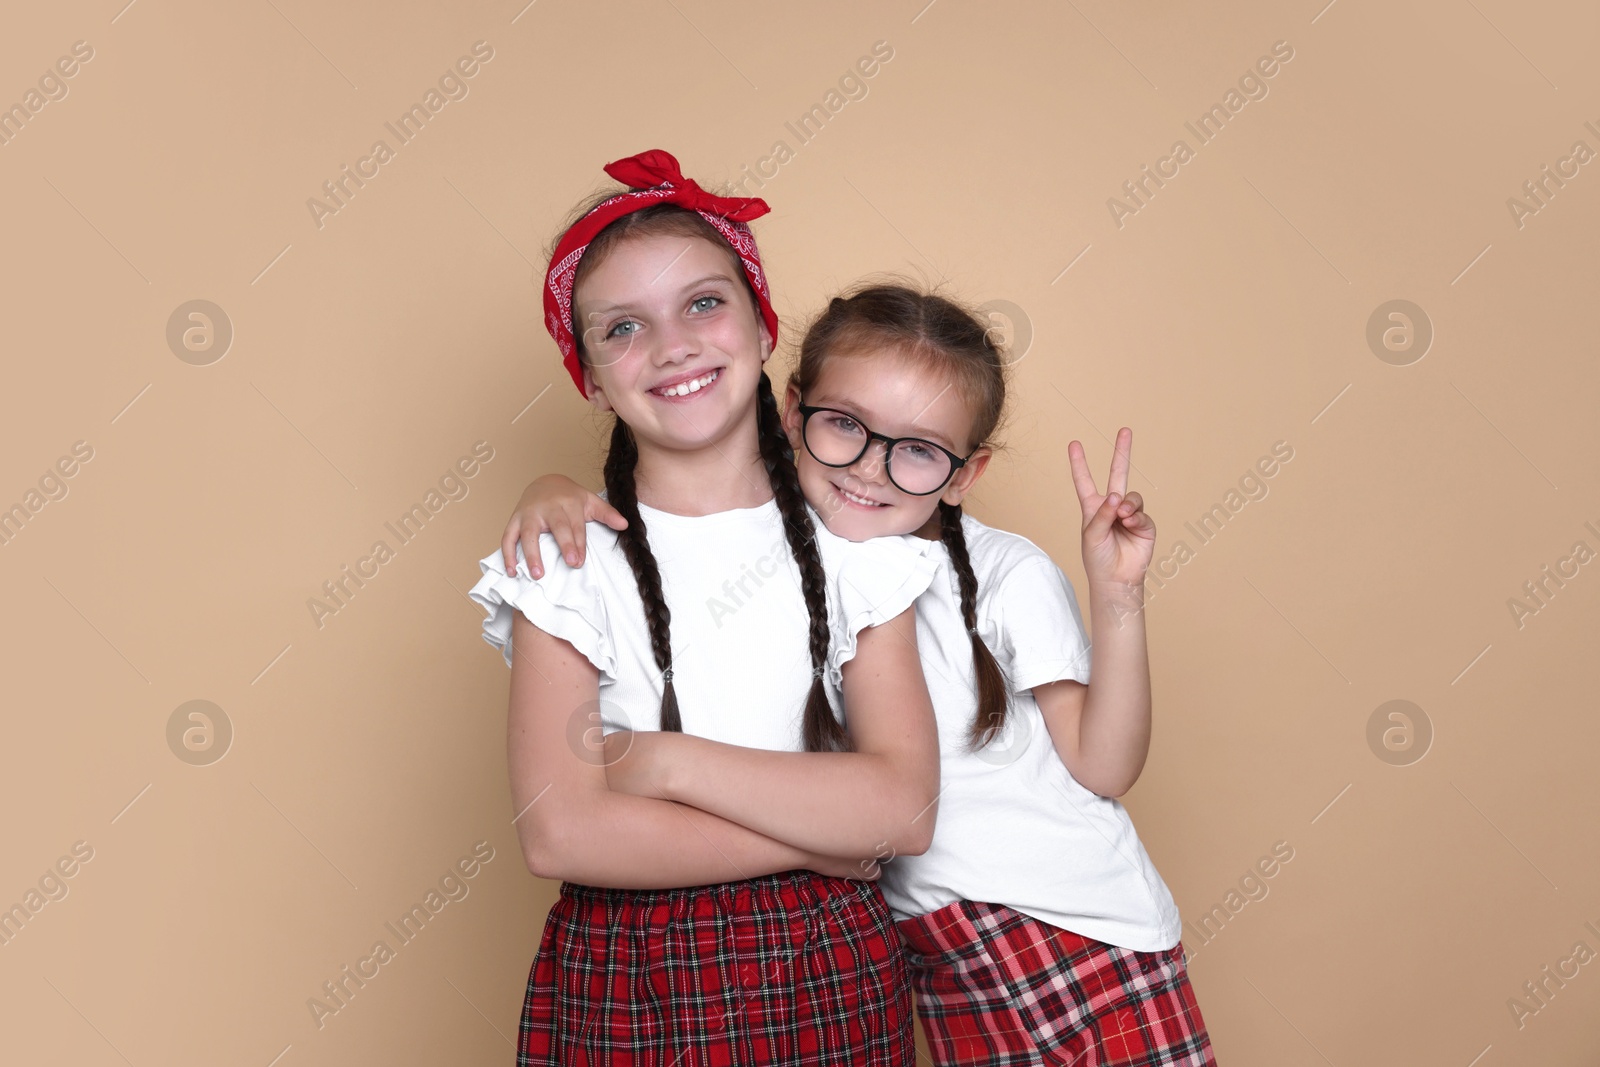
(572, 559)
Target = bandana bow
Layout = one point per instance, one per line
(652, 178)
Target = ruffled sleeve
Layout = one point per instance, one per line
(566, 603)
(871, 583)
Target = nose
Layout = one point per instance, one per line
(870, 467)
(674, 342)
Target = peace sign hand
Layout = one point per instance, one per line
(1119, 539)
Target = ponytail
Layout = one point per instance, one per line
(993, 699)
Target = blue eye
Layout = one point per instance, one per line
(704, 303)
(618, 331)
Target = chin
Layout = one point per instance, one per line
(842, 526)
(688, 431)
(848, 523)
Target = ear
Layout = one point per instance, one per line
(766, 338)
(596, 395)
(966, 477)
(791, 415)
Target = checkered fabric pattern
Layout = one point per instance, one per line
(791, 968)
(1000, 988)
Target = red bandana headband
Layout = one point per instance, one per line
(653, 178)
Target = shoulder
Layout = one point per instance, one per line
(1019, 584)
(604, 569)
(602, 555)
(1000, 554)
(1027, 608)
(572, 603)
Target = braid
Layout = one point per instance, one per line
(620, 493)
(992, 700)
(821, 730)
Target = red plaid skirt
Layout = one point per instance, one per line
(791, 968)
(1000, 988)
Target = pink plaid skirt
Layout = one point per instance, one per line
(1002, 989)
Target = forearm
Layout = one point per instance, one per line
(1114, 732)
(611, 839)
(572, 827)
(879, 798)
(836, 803)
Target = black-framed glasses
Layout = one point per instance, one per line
(916, 466)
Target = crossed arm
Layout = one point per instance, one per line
(816, 809)
(876, 800)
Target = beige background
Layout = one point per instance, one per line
(368, 354)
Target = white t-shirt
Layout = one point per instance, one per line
(741, 660)
(1013, 826)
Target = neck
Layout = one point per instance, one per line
(722, 476)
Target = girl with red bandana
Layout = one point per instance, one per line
(745, 932)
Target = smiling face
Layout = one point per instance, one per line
(671, 339)
(897, 397)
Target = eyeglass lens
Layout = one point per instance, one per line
(838, 440)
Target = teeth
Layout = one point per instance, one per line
(859, 499)
(694, 386)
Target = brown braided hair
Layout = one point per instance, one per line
(993, 700)
(821, 730)
(951, 341)
(621, 459)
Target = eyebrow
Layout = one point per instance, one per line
(719, 277)
(696, 284)
(824, 401)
